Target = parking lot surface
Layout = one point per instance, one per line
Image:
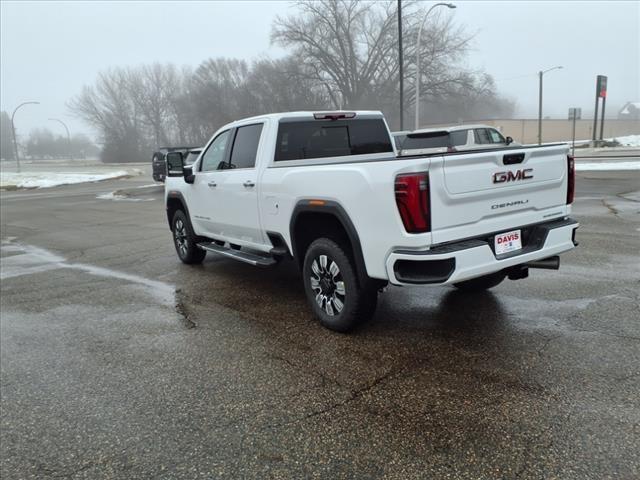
(117, 361)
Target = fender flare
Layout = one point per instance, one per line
(336, 210)
(174, 194)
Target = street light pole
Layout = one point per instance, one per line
(540, 74)
(13, 131)
(448, 5)
(68, 135)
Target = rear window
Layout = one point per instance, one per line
(418, 141)
(321, 138)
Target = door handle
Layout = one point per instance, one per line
(212, 184)
(249, 183)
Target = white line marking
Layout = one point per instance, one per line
(27, 260)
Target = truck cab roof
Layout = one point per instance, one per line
(311, 115)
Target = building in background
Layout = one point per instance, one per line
(630, 111)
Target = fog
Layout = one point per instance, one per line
(51, 49)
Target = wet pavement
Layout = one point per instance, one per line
(117, 361)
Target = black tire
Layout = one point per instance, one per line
(481, 283)
(332, 288)
(185, 240)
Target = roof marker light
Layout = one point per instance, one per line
(333, 115)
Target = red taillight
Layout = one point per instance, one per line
(412, 198)
(571, 179)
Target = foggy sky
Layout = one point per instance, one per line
(49, 50)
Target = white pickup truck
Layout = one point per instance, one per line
(328, 190)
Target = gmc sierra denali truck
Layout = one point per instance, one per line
(328, 190)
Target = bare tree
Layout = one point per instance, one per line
(348, 46)
(152, 88)
(218, 91)
(284, 85)
(6, 137)
(109, 107)
(344, 54)
(42, 143)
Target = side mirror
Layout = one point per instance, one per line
(176, 168)
(175, 164)
(509, 140)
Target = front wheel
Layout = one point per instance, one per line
(481, 283)
(184, 240)
(332, 287)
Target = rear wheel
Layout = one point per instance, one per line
(184, 240)
(332, 287)
(481, 283)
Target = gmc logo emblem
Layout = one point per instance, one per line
(502, 177)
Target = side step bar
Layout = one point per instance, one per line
(254, 259)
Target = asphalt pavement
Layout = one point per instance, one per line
(118, 361)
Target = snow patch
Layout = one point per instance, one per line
(629, 140)
(607, 166)
(53, 179)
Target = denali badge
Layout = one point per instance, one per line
(501, 177)
(510, 204)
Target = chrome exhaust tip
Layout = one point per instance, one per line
(551, 263)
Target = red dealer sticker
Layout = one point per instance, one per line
(508, 242)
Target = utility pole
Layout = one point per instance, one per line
(540, 108)
(13, 131)
(401, 64)
(68, 135)
(540, 74)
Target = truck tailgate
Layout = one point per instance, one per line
(484, 192)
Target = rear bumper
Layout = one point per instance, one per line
(455, 262)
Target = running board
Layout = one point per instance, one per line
(254, 259)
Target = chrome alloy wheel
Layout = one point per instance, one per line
(327, 283)
(180, 233)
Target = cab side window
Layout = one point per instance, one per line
(245, 146)
(213, 158)
(496, 136)
(482, 136)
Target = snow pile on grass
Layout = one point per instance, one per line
(51, 179)
(607, 166)
(629, 140)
